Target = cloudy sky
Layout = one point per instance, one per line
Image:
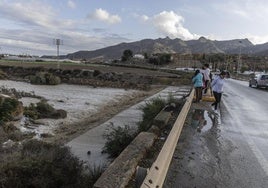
(30, 26)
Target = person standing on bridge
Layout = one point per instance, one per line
(206, 73)
(198, 84)
(217, 88)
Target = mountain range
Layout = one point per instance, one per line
(167, 45)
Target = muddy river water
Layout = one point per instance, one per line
(78, 101)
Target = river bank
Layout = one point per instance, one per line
(85, 106)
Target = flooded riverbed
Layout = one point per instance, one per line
(79, 101)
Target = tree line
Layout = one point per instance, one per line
(217, 61)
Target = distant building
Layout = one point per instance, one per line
(138, 56)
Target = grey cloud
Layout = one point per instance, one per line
(41, 43)
(33, 14)
(99, 30)
(37, 26)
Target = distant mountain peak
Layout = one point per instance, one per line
(202, 39)
(168, 45)
(167, 38)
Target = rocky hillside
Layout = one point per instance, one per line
(167, 45)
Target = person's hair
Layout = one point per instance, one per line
(196, 72)
(223, 73)
(206, 65)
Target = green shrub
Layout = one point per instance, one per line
(2, 75)
(127, 55)
(39, 60)
(43, 110)
(45, 78)
(52, 79)
(7, 107)
(96, 73)
(43, 165)
(120, 137)
(95, 172)
(31, 112)
(117, 140)
(171, 99)
(150, 110)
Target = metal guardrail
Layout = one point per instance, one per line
(157, 173)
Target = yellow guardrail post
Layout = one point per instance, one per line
(157, 173)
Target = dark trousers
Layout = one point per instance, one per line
(198, 94)
(217, 97)
(207, 85)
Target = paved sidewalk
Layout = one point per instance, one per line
(93, 139)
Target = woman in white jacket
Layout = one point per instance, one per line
(217, 88)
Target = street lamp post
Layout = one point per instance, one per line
(58, 42)
(265, 62)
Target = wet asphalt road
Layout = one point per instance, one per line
(232, 154)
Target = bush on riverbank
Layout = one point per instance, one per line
(45, 165)
(96, 76)
(45, 78)
(8, 107)
(2, 75)
(117, 140)
(43, 110)
(150, 110)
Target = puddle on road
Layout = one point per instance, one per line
(203, 120)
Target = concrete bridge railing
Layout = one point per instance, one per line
(157, 173)
(121, 171)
